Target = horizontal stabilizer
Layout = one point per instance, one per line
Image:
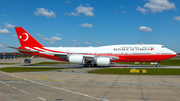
(24, 50)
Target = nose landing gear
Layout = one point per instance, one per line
(158, 64)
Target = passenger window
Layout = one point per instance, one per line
(163, 46)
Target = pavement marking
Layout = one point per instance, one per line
(58, 88)
(42, 98)
(24, 77)
(24, 91)
(5, 83)
(42, 77)
(14, 87)
(110, 83)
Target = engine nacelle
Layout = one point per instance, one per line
(77, 59)
(103, 61)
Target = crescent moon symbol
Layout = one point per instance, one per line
(27, 36)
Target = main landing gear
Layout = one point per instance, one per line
(90, 65)
(87, 65)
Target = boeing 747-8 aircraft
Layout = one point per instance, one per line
(94, 56)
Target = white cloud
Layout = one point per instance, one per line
(98, 42)
(75, 43)
(4, 31)
(67, 2)
(7, 25)
(39, 35)
(86, 25)
(87, 43)
(142, 10)
(145, 29)
(122, 6)
(86, 10)
(15, 35)
(157, 6)
(58, 34)
(4, 15)
(16, 44)
(177, 18)
(44, 12)
(1, 45)
(89, 38)
(72, 14)
(80, 9)
(53, 39)
(124, 11)
(52, 43)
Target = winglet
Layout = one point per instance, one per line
(25, 39)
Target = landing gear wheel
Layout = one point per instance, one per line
(95, 65)
(89, 65)
(84, 65)
(158, 65)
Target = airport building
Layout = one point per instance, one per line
(11, 55)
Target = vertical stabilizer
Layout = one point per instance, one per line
(25, 39)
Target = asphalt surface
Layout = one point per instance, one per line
(75, 84)
(69, 86)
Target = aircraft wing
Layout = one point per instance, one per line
(88, 57)
(66, 55)
(96, 56)
(24, 50)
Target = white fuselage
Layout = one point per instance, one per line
(114, 49)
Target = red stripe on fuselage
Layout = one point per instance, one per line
(122, 57)
(52, 50)
(37, 49)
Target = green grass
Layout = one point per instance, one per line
(176, 57)
(27, 69)
(51, 63)
(170, 62)
(126, 71)
(8, 63)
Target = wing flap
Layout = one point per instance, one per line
(61, 55)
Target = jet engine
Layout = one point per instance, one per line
(77, 59)
(103, 61)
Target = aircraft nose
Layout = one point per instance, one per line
(173, 52)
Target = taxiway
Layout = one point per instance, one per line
(77, 85)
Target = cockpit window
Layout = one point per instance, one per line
(163, 46)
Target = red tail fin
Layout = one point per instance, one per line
(25, 39)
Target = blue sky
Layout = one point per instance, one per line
(92, 22)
